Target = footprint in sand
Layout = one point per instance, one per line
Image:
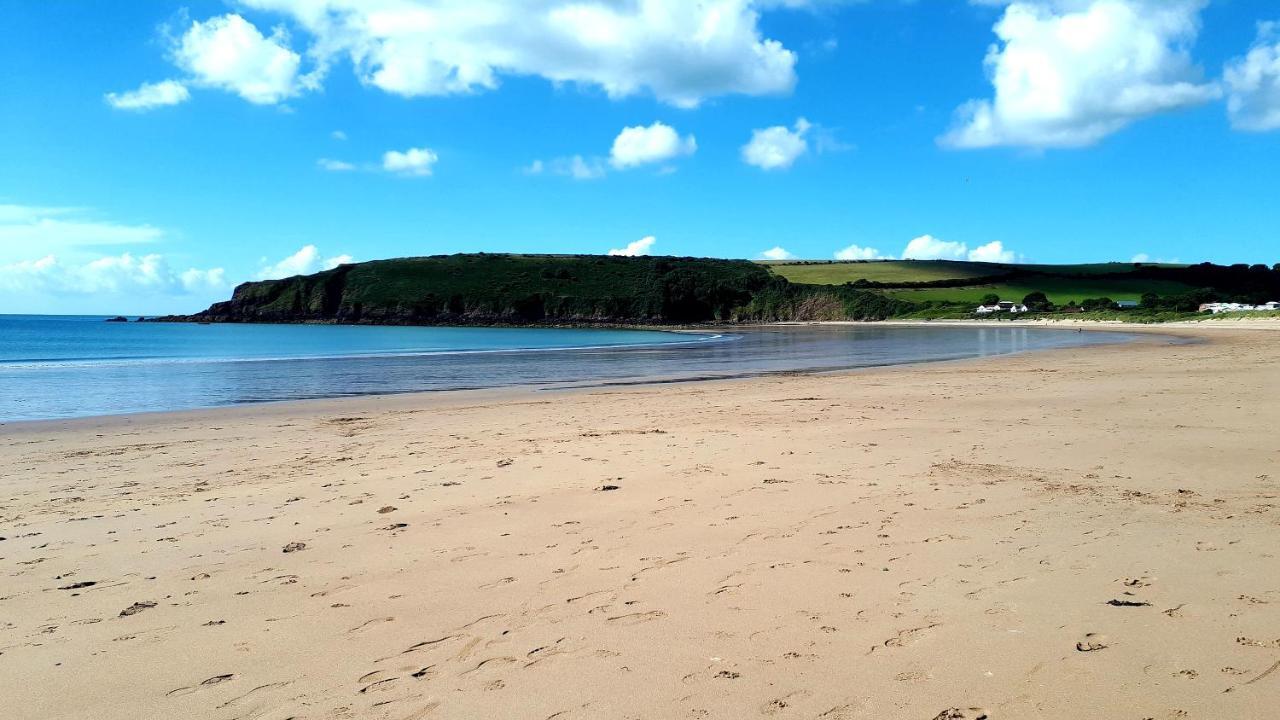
(1092, 642)
(215, 680)
(909, 636)
(637, 618)
(777, 705)
(136, 608)
(963, 714)
(80, 585)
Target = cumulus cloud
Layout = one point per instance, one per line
(777, 252)
(778, 147)
(414, 162)
(149, 96)
(641, 145)
(857, 252)
(230, 53)
(634, 147)
(115, 274)
(1253, 83)
(993, 252)
(1067, 73)
(678, 51)
(304, 262)
(635, 249)
(928, 247)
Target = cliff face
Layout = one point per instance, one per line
(508, 289)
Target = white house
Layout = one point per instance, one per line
(1216, 308)
(1001, 306)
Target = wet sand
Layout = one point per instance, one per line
(1085, 533)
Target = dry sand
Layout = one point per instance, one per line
(1075, 534)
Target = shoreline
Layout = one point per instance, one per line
(501, 392)
(888, 543)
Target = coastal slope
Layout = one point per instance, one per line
(497, 289)
(1075, 534)
(494, 288)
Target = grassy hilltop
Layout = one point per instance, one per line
(504, 289)
(969, 282)
(489, 289)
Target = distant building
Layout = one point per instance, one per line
(1127, 304)
(1216, 308)
(1002, 306)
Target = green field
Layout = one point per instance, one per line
(1055, 281)
(885, 271)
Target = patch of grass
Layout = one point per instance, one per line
(1061, 283)
(882, 271)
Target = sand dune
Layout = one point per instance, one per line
(1076, 534)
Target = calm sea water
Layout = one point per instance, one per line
(62, 367)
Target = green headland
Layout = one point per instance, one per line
(493, 289)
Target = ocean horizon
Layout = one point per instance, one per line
(58, 367)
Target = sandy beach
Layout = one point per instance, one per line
(1087, 533)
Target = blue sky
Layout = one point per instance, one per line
(155, 155)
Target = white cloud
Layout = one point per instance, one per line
(125, 273)
(777, 252)
(928, 247)
(633, 147)
(63, 259)
(574, 166)
(304, 262)
(335, 165)
(678, 51)
(641, 145)
(229, 53)
(993, 252)
(636, 249)
(149, 96)
(338, 135)
(1067, 73)
(195, 280)
(857, 252)
(55, 230)
(582, 169)
(414, 162)
(1253, 83)
(777, 148)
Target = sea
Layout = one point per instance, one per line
(55, 367)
